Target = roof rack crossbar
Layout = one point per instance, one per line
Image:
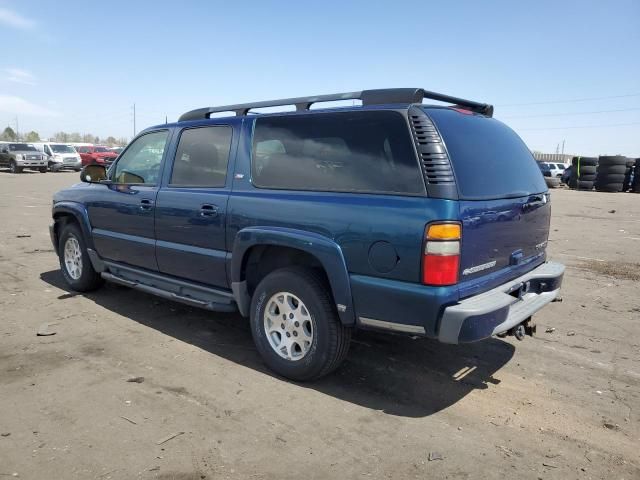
(368, 97)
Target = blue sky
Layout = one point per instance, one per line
(79, 66)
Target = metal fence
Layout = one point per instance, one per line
(552, 157)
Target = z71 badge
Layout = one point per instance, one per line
(478, 268)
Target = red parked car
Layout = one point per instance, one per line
(96, 154)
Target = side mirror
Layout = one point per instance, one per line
(93, 173)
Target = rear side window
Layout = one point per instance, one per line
(340, 152)
(202, 157)
(489, 159)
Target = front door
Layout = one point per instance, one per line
(191, 208)
(122, 212)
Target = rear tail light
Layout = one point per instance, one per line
(441, 258)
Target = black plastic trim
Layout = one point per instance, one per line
(434, 159)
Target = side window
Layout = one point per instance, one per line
(340, 152)
(140, 163)
(47, 150)
(202, 157)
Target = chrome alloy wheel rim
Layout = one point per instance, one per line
(288, 326)
(73, 258)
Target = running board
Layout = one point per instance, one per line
(170, 288)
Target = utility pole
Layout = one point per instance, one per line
(166, 120)
(134, 119)
(17, 129)
(562, 147)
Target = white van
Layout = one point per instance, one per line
(60, 156)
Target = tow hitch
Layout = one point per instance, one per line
(520, 331)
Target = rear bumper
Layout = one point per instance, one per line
(498, 310)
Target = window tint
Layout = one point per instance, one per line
(62, 148)
(141, 162)
(489, 159)
(202, 157)
(367, 151)
(21, 147)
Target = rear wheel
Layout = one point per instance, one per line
(295, 325)
(74, 260)
(43, 169)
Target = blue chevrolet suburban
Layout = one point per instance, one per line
(392, 215)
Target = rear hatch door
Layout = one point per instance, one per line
(504, 201)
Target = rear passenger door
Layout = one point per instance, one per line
(191, 207)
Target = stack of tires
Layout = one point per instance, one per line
(612, 171)
(583, 173)
(635, 185)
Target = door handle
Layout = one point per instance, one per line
(146, 204)
(208, 210)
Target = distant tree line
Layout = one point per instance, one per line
(9, 135)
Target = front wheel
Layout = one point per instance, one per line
(43, 169)
(14, 168)
(74, 260)
(295, 325)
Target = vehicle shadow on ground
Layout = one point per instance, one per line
(391, 373)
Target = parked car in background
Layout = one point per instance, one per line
(556, 169)
(60, 156)
(18, 156)
(96, 154)
(117, 150)
(545, 169)
(316, 222)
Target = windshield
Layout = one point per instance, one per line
(100, 149)
(21, 147)
(63, 149)
(489, 159)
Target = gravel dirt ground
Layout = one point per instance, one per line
(563, 405)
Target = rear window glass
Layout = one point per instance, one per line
(202, 157)
(489, 159)
(342, 152)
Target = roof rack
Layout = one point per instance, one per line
(368, 97)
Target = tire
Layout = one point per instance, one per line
(552, 182)
(591, 177)
(43, 169)
(587, 170)
(14, 168)
(584, 185)
(612, 169)
(585, 161)
(615, 160)
(609, 187)
(611, 178)
(87, 279)
(329, 337)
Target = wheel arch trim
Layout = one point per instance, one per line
(326, 251)
(79, 213)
